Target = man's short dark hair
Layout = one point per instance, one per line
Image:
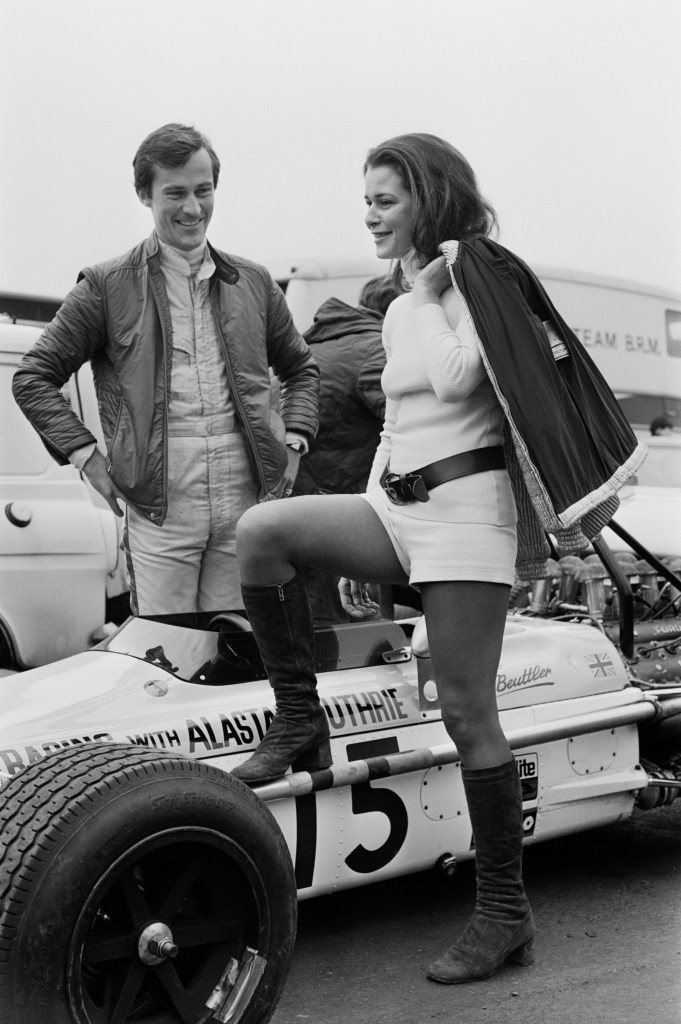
(378, 293)
(169, 146)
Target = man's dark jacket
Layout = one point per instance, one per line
(346, 344)
(118, 317)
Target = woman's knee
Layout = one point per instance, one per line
(257, 529)
(457, 720)
(468, 714)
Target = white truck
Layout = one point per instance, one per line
(633, 334)
(61, 567)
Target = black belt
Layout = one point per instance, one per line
(406, 487)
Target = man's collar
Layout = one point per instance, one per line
(226, 270)
(195, 261)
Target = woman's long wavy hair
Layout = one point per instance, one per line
(447, 203)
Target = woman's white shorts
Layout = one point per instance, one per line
(466, 531)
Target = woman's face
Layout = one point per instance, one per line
(389, 214)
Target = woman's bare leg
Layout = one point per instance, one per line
(465, 622)
(337, 532)
(465, 630)
(334, 532)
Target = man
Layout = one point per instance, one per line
(346, 343)
(181, 338)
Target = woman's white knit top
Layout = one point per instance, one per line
(438, 397)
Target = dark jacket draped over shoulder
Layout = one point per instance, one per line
(569, 447)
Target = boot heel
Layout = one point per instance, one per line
(523, 956)
(314, 759)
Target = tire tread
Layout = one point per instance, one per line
(44, 800)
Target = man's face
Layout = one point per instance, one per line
(181, 201)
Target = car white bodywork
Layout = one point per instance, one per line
(122, 823)
(347, 835)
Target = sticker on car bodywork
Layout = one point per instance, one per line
(600, 665)
(528, 770)
(14, 759)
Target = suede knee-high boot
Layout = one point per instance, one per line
(298, 735)
(502, 926)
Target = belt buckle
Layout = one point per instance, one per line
(403, 489)
(418, 487)
(393, 485)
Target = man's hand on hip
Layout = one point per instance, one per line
(96, 472)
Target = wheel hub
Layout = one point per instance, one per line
(155, 944)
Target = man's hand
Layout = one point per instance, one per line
(291, 472)
(96, 472)
(356, 600)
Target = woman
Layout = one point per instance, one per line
(459, 547)
(449, 528)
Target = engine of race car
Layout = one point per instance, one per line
(641, 615)
(636, 602)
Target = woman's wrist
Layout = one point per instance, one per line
(423, 295)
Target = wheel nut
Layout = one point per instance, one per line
(164, 948)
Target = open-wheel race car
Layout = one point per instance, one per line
(139, 881)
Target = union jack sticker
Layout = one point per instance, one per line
(601, 665)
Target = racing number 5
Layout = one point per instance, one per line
(365, 799)
(386, 801)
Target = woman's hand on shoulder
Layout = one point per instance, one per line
(431, 282)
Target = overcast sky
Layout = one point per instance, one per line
(569, 111)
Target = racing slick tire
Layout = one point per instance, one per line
(137, 885)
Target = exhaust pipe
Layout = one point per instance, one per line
(663, 787)
(300, 783)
